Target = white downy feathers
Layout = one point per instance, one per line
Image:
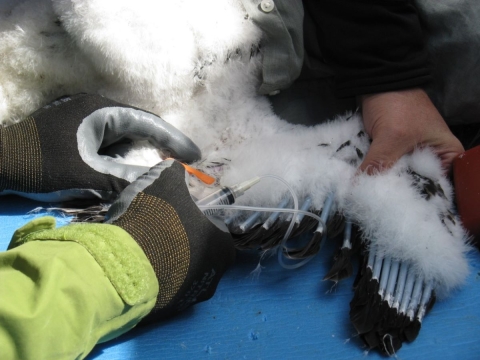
(199, 71)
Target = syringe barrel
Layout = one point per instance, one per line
(224, 196)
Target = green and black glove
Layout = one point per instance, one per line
(53, 155)
(188, 251)
(156, 255)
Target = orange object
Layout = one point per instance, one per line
(207, 179)
(466, 174)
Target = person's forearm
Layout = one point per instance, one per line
(372, 45)
(57, 301)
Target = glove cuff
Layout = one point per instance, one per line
(120, 257)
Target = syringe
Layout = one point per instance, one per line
(226, 195)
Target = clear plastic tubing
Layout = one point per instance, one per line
(264, 209)
(287, 234)
(222, 198)
(282, 245)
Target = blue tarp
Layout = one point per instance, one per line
(280, 314)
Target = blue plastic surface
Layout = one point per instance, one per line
(282, 314)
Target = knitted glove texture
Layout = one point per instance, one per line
(55, 154)
(188, 251)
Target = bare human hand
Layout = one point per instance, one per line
(400, 121)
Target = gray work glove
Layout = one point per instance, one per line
(53, 155)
